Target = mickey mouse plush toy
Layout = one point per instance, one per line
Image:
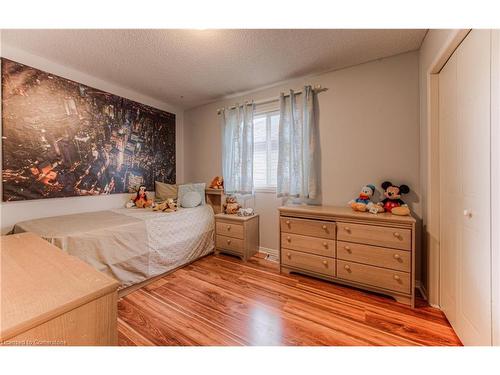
(392, 202)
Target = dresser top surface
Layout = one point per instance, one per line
(343, 212)
(40, 281)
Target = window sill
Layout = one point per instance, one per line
(269, 190)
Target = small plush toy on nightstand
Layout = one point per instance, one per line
(217, 183)
(393, 202)
(363, 202)
(231, 207)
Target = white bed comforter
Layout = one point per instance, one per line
(131, 245)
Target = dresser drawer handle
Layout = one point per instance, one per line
(347, 267)
(324, 227)
(325, 244)
(325, 263)
(347, 248)
(397, 235)
(229, 227)
(289, 255)
(287, 222)
(347, 229)
(228, 242)
(396, 277)
(289, 239)
(397, 256)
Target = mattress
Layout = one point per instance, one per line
(131, 245)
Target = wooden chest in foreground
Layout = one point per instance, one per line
(51, 298)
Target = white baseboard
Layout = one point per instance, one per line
(271, 252)
(423, 292)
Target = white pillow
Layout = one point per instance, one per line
(191, 199)
(186, 188)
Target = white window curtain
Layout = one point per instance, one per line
(237, 149)
(299, 163)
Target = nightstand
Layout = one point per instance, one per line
(237, 235)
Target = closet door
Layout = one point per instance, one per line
(464, 99)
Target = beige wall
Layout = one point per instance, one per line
(495, 182)
(13, 212)
(435, 50)
(369, 125)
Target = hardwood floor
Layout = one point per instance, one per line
(220, 300)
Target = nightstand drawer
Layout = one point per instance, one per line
(313, 245)
(375, 256)
(375, 235)
(305, 227)
(379, 277)
(229, 243)
(308, 262)
(229, 229)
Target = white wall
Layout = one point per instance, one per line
(13, 212)
(437, 46)
(369, 125)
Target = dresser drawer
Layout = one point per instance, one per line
(313, 245)
(376, 256)
(375, 235)
(229, 243)
(229, 229)
(308, 262)
(305, 227)
(374, 276)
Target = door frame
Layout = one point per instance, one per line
(431, 168)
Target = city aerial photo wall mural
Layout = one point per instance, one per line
(61, 138)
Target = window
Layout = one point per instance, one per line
(265, 150)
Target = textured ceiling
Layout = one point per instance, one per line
(191, 67)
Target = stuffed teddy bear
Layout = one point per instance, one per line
(141, 199)
(231, 206)
(363, 201)
(168, 205)
(393, 202)
(217, 183)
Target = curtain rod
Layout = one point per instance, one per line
(316, 89)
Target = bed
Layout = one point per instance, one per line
(132, 245)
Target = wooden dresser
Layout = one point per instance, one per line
(48, 297)
(237, 235)
(373, 252)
